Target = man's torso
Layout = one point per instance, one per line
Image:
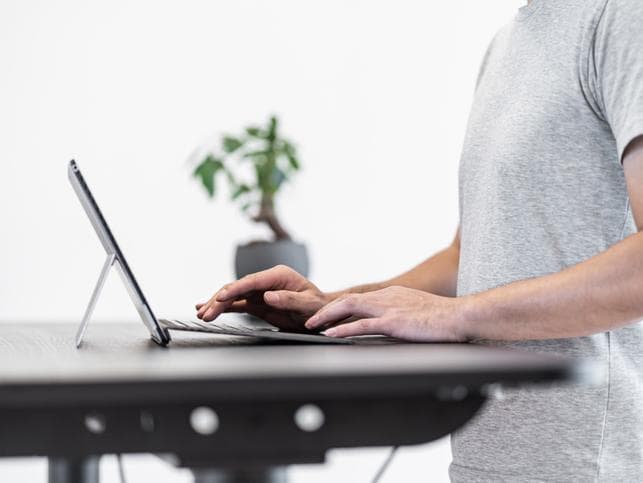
(542, 188)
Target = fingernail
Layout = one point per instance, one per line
(331, 332)
(222, 294)
(271, 297)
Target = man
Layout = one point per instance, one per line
(548, 257)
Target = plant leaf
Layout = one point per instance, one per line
(255, 132)
(231, 144)
(230, 176)
(291, 154)
(246, 206)
(294, 162)
(241, 190)
(206, 172)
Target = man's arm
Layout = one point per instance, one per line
(437, 275)
(600, 294)
(284, 298)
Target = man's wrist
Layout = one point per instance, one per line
(470, 317)
(328, 297)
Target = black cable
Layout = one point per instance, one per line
(121, 470)
(385, 465)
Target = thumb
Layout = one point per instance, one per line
(288, 300)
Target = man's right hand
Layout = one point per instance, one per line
(280, 296)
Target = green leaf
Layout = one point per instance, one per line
(255, 132)
(231, 144)
(294, 162)
(291, 154)
(230, 177)
(246, 206)
(206, 172)
(241, 190)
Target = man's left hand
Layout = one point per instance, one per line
(398, 312)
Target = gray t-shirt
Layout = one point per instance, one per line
(559, 98)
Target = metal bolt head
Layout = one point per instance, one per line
(309, 418)
(204, 420)
(95, 423)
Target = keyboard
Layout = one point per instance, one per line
(271, 333)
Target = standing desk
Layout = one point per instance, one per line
(233, 411)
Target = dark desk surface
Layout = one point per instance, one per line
(52, 395)
(41, 356)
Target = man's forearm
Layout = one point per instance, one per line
(437, 275)
(600, 294)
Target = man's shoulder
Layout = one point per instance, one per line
(628, 8)
(627, 4)
(620, 19)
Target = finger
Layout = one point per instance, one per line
(340, 309)
(201, 310)
(373, 326)
(214, 310)
(210, 304)
(275, 278)
(288, 300)
(198, 306)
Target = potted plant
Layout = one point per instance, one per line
(272, 160)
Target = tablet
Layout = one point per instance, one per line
(159, 334)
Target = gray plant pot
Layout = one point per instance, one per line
(258, 256)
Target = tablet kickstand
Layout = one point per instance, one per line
(109, 261)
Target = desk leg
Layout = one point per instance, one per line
(82, 470)
(264, 475)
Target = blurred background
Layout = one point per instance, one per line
(375, 94)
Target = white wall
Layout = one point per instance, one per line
(376, 94)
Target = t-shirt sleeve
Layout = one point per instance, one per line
(616, 58)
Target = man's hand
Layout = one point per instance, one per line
(394, 311)
(279, 295)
